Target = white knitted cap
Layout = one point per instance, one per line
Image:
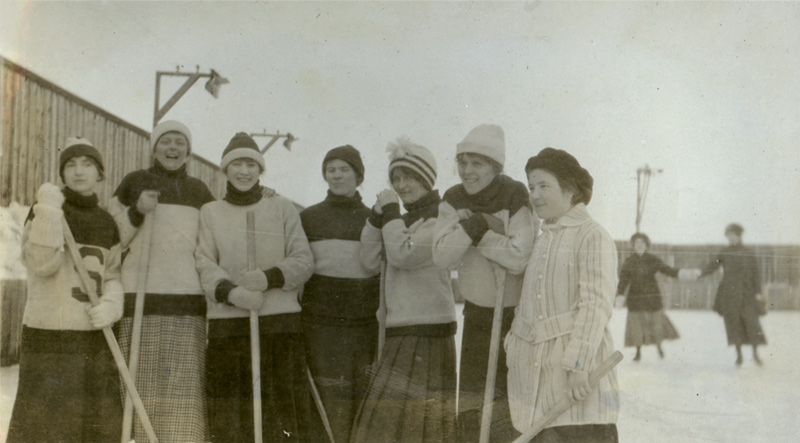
(487, 140)
(170, 126)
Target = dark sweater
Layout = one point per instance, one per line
(639, 271)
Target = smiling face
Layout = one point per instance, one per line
(171, 150)
(341, 177)
(407, 186)
(549, 200)
(81, 175)
(476, 172)
(243, 173)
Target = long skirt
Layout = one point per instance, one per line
(287, 411)
(604, 433)
(340, 354)
(68, 389)
(648, 328)
(472, 371)
(412, 396)
(171, 375)
(744, 328)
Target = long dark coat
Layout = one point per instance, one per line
(736, 294)
(639, 271)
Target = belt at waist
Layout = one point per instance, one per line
(543, 330)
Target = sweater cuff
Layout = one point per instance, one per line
(136, 217)
(376, 219)
(46, 229)
(275, 279)
(222, 291)
(391, 212)
(578, 355)
(475, 227)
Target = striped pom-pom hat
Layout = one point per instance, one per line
(414, 157)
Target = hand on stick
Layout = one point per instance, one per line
(255, 280)
(578, 387)
(242, 298)
(148, 200)
(50, 195)
(104, 314)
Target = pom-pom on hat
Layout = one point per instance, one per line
(242, 146)
(566, 169)
(487, 140)
(76, 147)
(170, 126)
(414, 157)
(347, 154)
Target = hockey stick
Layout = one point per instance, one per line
(320, 407)
(255, 344)
(382, 310)
(594, 377)
(119, 359)
(494, 354)
(146, 232)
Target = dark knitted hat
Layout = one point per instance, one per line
(76, 147)
(348, 154)
(735, 228)
(566, 169)
(242, 146)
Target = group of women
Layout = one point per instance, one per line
(329, 283)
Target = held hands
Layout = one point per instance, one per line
(578, 387)
(103, 315)
(385, 197)
(689, 274)
(255, 280)
(148, 200)
(50, 195)
(242, 298)
(464, 214)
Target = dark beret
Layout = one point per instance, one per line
(641, 235)
(735, 228)
(566, 169)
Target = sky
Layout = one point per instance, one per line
(706, 92)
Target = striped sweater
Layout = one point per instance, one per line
(56, 299)
(341, 287)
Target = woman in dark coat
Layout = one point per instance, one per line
(739, 293)
(647, 323)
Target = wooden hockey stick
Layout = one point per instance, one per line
(146, 232)
(255, 342)
(594, 377)
(116, 352)
(382, 310)
(320, 407)
(494, 354)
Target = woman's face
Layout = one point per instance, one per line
(475, 172)
(639, 246)
(733, 238)
(549, 200)
(341, 177)
(81, 175)
(407, 187)
(243, 173)
(171, 150)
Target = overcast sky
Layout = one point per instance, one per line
(708, 92)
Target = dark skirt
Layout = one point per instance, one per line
(744, 328)
(286, 405)
(412, 396)
(475, 344)
(340, 353)
(648, 328)
(605, 433)
(68, 389)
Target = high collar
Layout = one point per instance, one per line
(486, 196)
(431, 198)
(424, 208)
(81, 201)
(343, 202)
(243, 198)
(576, 216)
(159, 170)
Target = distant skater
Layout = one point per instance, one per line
(738, 293)
(647, 324)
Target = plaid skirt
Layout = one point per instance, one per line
(412, 395)
(171, 375)
(648, 328)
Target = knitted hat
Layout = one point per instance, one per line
(566, 169)
(348, 154)
(170, 126)
(76, 147)
(735, 228)
(486, 140)
(414, 157)
(642, 236)
(242, 146)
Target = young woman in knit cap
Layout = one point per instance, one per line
(283, 264)
(646, 324)
(68, 382)
(486, 231)
(413, 393)
(341, 298)
(560, 331)
(171, 370)
(739, 297)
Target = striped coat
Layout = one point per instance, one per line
(561, 323)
